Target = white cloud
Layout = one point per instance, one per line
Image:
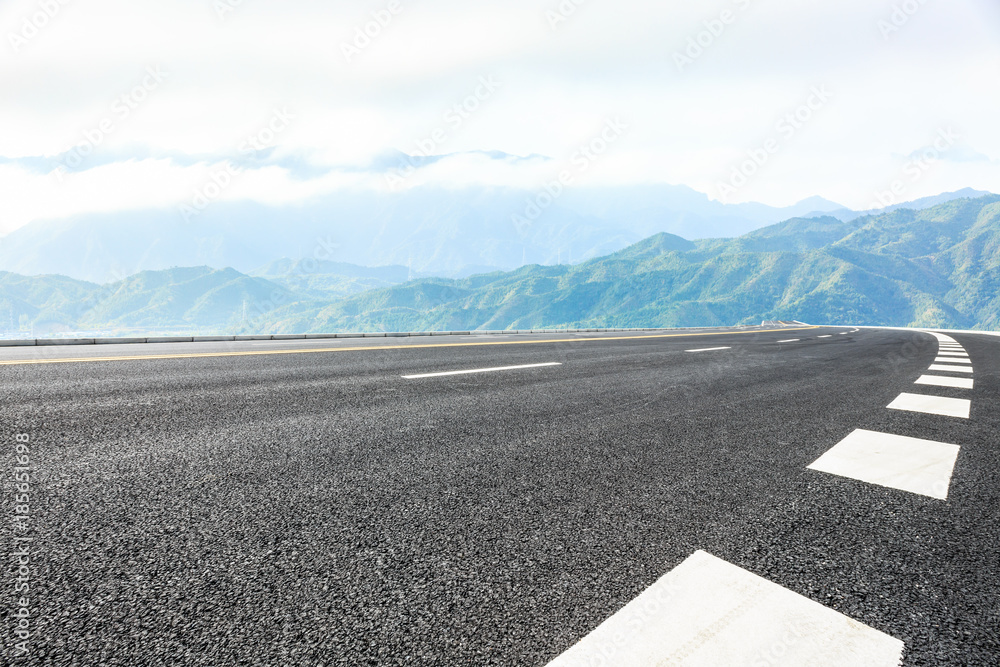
(558, 86)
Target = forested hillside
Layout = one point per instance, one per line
(938, 267)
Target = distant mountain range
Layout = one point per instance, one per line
(939, 267)
(916, 205)
(934, 268)
(432, 231)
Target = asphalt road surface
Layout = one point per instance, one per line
(304, 503)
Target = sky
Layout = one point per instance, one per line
(112, 105)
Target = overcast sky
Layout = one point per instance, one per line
(874, 88)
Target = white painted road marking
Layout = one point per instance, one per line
(945, 353)
(479, 370)
(942, 381)
(830, 336)
(952, 360)
(894, 461)
(793, 340)
(707, 612)
(710, 349)
(950, 369)
(933, 405)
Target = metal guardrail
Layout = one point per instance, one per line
(41, 342)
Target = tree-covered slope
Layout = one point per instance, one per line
(938, 267)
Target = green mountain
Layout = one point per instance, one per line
(195, 296)
(938, 267)
(180, 299)
(45, 303)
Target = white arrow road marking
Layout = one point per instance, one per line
(479, 370)
(707, 612)
(898, 462)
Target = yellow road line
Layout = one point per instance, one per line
(316, 350)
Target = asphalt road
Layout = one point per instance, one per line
(316, 508)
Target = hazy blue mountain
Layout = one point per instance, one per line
(433, 231)
(916, 205)
(285, 266)
(451, 233)
(317, 279)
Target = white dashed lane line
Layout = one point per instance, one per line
(830, 336)
(933, 405)
(708, 612)
(950, 369)
(942, 381)
(710, 349)
(791, 340)
(479, 370)
(908, 464)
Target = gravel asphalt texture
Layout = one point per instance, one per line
(318, 509)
